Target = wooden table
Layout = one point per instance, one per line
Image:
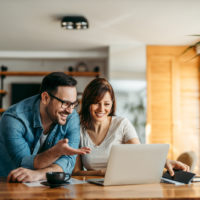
(90, 191)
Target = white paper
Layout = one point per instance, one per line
(34, 184)
(74, 181)
(196, 179)
(171, 181)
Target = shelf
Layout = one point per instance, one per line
(2, 110)
(11, 73)
(2, 92)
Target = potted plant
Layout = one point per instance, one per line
(195, 46)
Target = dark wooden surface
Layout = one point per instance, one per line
(23, 73)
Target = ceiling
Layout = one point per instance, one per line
(34, 25)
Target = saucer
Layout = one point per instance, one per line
(55, 184)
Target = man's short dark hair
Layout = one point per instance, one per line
(52, 81)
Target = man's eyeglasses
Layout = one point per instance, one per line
(65, 104)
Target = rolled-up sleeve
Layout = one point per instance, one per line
(13, 131)
(67, 163)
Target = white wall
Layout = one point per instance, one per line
(127, 62)
(47, 64)
(127, 74)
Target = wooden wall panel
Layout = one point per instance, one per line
(188, 137)
(160, 79)
(173, 108)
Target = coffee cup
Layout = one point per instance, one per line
(57, 177)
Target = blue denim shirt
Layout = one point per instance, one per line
(20, 131)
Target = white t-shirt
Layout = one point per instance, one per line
(43, 137)
(119, 132)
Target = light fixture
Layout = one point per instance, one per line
(74, 22)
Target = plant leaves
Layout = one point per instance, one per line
(187, 49)
(194, 35)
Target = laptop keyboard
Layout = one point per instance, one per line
(100, 181)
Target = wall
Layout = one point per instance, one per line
(33, 63)
(127, 73)
(127, 62)
(173, 99)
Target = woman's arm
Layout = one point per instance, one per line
(133, 141)
(78, 170)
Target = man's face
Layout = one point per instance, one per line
(56, 110)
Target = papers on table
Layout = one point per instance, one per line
(73, 181)
(34, 184)
(196, 179)
(165, 180)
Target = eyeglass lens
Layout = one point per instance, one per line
(69, 104)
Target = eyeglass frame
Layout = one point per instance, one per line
(71, 104)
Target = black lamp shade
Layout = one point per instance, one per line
(74, 22)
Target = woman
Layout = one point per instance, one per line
(100, 129)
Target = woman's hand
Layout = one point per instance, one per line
(173, 164)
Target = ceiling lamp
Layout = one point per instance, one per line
(74, 22)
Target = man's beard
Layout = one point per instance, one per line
(56, 118)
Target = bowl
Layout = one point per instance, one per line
(57, 177)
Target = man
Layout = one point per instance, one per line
(41, 133)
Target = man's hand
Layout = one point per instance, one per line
(48, 157)
(65, 149)
(24, 175)
(172, 164)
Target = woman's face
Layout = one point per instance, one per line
(100, 111)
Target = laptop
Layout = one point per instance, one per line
(134, 164)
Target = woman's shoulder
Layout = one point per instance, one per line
(119, 119)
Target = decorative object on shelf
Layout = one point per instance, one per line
(70, 69)
(96, 69)
(3, 69)
(82, 67)
(74, 22)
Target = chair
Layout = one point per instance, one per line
(189, 158)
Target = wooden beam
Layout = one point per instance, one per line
(23, 73)
(2, 92)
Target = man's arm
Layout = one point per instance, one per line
(44, 161)
(27, 175)
(48, 157)
(63, 153)
(16, 140)
(67, 162)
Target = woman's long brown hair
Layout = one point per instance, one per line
(93, 93)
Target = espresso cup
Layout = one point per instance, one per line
(57, 177)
